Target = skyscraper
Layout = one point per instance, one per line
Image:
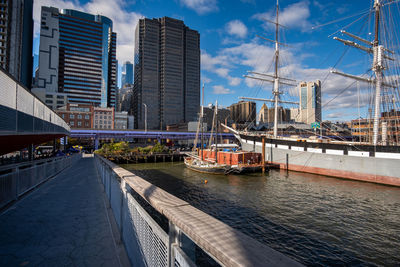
(167, 73)
(127, 74)
(16, 38)
(310, 102)
(77, 57)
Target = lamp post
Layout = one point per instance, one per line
(145, 117)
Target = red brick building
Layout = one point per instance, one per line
(77, 115)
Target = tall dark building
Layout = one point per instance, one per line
(77, 58)
(167, 73)
(16, 38)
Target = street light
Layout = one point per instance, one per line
(145, 117)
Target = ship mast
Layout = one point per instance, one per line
(276, 78)
(377, 67)
(378, 52)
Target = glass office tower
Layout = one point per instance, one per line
(77, 56)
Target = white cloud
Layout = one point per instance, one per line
(209, 62)
(258, 57)
(201, 6)
(234, 81)
(219, 65)
(220, 90)
(205, 79)
(236, 28)
(294, 16)
(124, 22)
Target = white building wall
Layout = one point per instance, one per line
(48, 50)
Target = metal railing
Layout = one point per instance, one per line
(147, 244)
(17, 179)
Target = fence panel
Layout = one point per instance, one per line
(115, 200)
(8, 188)
(25, 179)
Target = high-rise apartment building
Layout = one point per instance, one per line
(310, 102)
(127, 74)
(77, 57)
(16, 38)
(167, 73)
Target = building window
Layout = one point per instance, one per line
(96, 122)
(60, 97)
(86, 117)
(63, 116)
(71, 116)
(79, 123)
(86, 124)
(49, 101)
(60, 102)
(71, 123)
(101, 117)
(79, 116)
(49, 96)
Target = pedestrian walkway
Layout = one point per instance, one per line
(62, 223)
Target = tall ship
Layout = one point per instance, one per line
(375, 160)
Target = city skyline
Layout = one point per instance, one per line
(230, 46)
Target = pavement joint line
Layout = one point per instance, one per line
(28, 194)
(107, 215)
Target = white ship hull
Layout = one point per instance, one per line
(344, 161)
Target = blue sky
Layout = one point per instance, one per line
(230, 46)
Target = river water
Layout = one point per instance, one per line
(313, 219)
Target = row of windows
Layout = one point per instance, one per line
(48, 101)
(101, 117)
(79, 123)
(79, 116)
(105, 127)
(101, 122)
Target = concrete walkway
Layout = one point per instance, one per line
(63, 223)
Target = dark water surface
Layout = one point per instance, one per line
(314, 219)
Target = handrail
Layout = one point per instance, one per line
(28, 163)
(19, 180)
(227, 246)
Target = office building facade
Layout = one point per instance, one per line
(77, 57)
(16, 39)
(267, 115)
(310, 102)
(167, 73)
(243, 112)
(77, 116)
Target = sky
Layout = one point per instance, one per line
(232, 43)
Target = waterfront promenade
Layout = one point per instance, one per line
(64, 222)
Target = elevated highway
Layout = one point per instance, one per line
(24, 119)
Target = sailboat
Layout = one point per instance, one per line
(216, 161)
(373, 162)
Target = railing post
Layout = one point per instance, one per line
(16, 184)
(121, 214)
(173, 239)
